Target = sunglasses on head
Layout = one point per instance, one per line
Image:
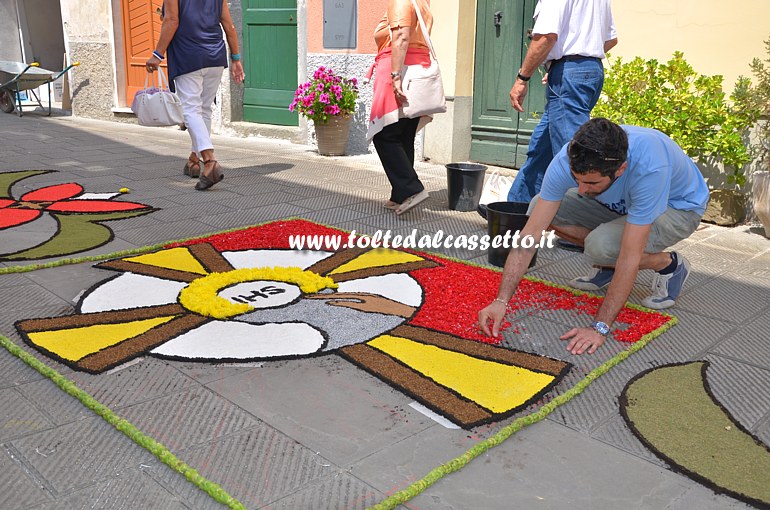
(601, 154)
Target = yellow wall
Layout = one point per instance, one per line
(453, 36)
(717, 37)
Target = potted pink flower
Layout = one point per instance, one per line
(329, 101)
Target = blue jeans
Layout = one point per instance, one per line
(573, 89)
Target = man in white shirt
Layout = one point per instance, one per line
(571, 37)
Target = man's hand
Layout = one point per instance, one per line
(518, 93)
(495, 312)
(583, 339)
(537, 52)
(236, 72)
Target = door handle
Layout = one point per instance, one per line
(291, 18)
(497, 18)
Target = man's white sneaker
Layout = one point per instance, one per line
(598, 279)
(667, 287)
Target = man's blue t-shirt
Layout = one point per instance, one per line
(659, 175)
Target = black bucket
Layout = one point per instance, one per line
(505, 217)
(464, 184)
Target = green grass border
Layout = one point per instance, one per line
(26, 268)
(159, 450)
(217, 492)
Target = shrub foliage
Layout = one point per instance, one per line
(691, 108)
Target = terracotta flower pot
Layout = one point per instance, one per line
(726, 207)
(760, 196)
(332, 136)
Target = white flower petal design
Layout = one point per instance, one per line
(398, 287)
(274, 258)
(284, 325)
(131, 290)
(239, 340)
(97, 196)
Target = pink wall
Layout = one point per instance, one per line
(369, 14)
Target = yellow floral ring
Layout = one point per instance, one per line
(202, 296)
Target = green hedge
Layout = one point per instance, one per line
(691, 108)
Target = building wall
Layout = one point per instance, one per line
(44, 32)
(88, 34)
(93, 35)
(715, 40)
(10, 45)
(716, 37)
(369, 14)
(447, 138)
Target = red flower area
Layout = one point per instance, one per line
(454, 292)
(271, 235)
(56, 199)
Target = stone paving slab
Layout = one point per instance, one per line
(321, 433)
(544, 467)
(132, 488)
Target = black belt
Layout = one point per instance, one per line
(570, 58)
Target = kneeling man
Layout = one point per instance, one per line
(625, 193)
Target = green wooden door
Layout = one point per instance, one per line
(270, 61)
(500, 134)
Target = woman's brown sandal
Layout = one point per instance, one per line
(192, 167)
(205, 182)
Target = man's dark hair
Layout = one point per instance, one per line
(598, 146)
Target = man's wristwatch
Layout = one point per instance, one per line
(522, 77)
(600, 327)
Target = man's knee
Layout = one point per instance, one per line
(600, 249)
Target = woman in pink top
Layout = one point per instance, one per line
(400, 42)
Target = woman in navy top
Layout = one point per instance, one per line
(192, 34)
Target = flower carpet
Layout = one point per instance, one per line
(78, 216)
(406, 317)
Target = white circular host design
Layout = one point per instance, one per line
(262, 294)
(282, 324)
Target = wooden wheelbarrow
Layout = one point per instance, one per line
(16, 77)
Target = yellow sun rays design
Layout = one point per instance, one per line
(117, 336)
(460, 372)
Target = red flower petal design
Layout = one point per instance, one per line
(93, 206)
(4, 202)
(53, 193)
(455, 292)
(16, 217)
